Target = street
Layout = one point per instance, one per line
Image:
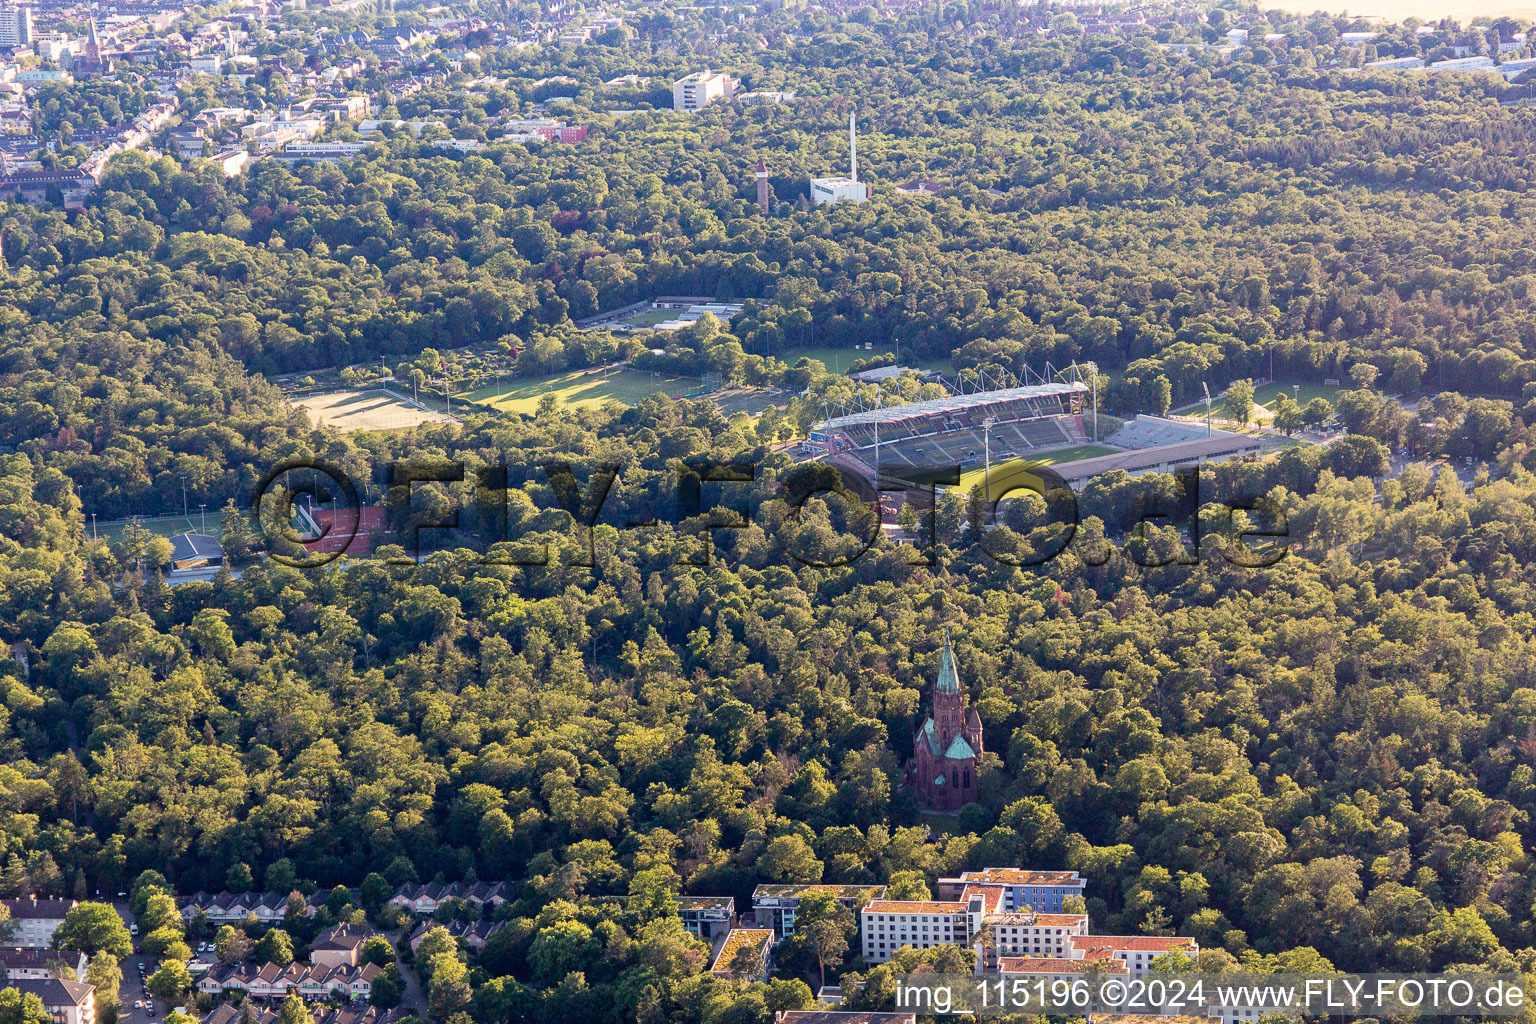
(132, 991)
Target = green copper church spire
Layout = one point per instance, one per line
(949, 679)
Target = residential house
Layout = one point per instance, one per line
(424, 900)
(351, 1013)
(233, 908)
(310, 982)
(474, 933)
(339, 944)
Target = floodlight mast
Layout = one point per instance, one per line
(986, 443)
(880, 399)
(1207, 391)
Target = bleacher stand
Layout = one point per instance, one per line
(1154, 431)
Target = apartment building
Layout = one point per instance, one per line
(775, 906)
(843, 1017)
(67, 1002)
(1043, 891)
(885, 926)
(760, 939)
(1032, 934)
(707, 916)
(36, 964)
(37, 919)
(1054, 968)
(1135, 951)
(700, 89)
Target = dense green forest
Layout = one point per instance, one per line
(1330, 757)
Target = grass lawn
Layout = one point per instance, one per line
(651, 317)
(1013, 472)
(838, 359)
(1265, 394)
(581, 389)
(1264, 399)
(943, 824)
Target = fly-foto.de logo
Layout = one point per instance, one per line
(311, 512)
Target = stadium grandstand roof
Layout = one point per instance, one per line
(978, 400)
(1161, 458)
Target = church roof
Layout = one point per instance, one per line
(949, 679)
(931, 736)
(959, 749)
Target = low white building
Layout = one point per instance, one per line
(836, 190)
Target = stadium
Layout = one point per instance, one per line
(956, 430)
(1010, 428)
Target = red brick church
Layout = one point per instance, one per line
(946, 748)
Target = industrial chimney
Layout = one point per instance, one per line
(853, 151)
(763, 202)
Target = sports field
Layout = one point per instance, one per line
(347, 411)
(160, 526)
(582, 389)
(1014, 471)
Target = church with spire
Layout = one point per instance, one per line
(91, 61)
(947, 747)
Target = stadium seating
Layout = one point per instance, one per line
(1154, 431)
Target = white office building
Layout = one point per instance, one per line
(702, 88)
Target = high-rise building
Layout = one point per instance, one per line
(15, 26)
(702, 88)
